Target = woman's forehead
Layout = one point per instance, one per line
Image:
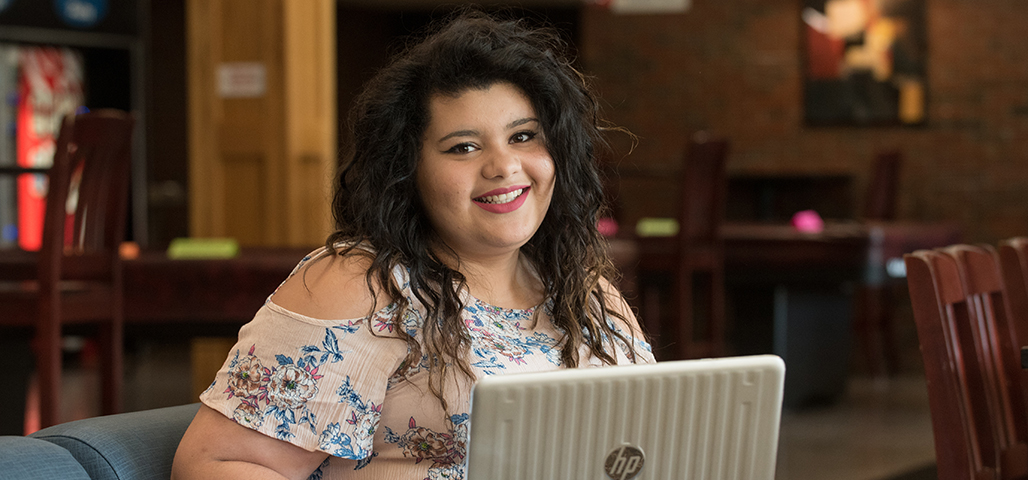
(500, 101)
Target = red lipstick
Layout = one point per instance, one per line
(501, 191)
(504, 207)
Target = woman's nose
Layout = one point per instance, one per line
(501, 163)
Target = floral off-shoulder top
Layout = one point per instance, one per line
(337, 385)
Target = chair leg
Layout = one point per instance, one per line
(873, 327)
(712, 292)
(885, 325)
(651, 312)
(111, 367)
(718, 328)
(16, 355)
(681, 329)
(48, 364)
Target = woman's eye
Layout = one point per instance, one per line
(462, 148)
(522, 137)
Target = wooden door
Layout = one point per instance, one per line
(262, 119)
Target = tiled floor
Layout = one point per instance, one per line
(880, 429)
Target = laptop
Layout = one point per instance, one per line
(708, 419)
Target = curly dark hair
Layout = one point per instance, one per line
(377, 203)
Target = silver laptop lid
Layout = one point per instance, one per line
(697, 419)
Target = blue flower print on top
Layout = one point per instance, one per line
(446, 450)
(285, 388)
(638, 343)
(364, 419)
(498, 337)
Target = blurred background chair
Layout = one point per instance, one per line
(873, 321)
(76, 277)
(694, 259)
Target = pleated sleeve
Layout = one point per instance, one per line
(318, 384)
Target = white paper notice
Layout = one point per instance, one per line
(649, 6)
(242, 80)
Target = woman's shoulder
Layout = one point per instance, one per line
(330, 286)
(617, 303)
(628, 325)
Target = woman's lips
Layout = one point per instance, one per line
(506, 206)
(501, 191)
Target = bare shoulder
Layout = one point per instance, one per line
(616, 302)
(331, 287)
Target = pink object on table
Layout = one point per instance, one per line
(607, 226)
(808, 221)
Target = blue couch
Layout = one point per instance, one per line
(128, 446)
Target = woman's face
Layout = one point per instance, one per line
(485, 176)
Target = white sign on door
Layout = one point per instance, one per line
(649, 6)
(242, 80)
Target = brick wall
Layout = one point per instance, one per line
(734, 67)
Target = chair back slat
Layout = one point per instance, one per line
(703, 189)
(883, 186)
(983, 403)
(1013, 260)
(104, 150)
(88, 197)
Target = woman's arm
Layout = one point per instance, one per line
(216, 447)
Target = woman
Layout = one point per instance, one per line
(467, 246)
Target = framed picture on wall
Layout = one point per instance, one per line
(864, 62)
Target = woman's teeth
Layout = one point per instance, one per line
(506, 197)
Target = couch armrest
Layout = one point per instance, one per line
(127, 446)
(23, 458)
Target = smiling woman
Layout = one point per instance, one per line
(485, 177)
(466, 246)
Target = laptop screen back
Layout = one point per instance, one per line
(697, 419)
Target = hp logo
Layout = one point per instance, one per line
(624, 462)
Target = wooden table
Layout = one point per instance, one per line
(230, 290)
(213, 297)
(791, 293)
(226, 293)
(215, 290)
(857, 251)
(160, 290)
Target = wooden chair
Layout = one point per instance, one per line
(964, 444)
(968, 307)
(1013, 260)
(873, 323)
(695, 257)
(998, 357)
(77, 275)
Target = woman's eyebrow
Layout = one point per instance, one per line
(522, 121)
(459, 133)
(472, 133)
